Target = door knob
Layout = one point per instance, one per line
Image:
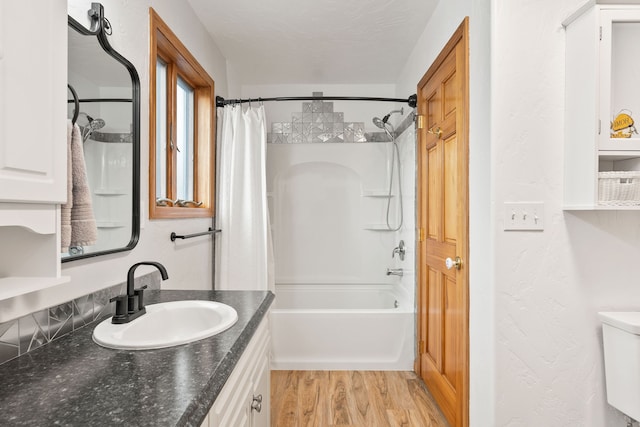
(450, 263)
(435, 131)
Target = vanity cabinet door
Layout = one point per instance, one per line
(261, 391)
(33, 101)
(237, 403)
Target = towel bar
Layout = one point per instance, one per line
(175, 236)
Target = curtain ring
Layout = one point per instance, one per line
(260, 101)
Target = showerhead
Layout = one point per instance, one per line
(382, 122)
(378, 122)
(93, 125)
(96, 124)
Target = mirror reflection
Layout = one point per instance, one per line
(106, 92)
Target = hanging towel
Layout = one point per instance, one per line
(65, 211)
(83, 224)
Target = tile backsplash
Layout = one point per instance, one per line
(22, 335)
(318, 123)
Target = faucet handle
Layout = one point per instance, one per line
(121, 307)
(140, 294)
(400, 250)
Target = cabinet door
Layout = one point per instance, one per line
(239, 416)
(33, 102)
(262, 388)
(619, 79)
(250, 377)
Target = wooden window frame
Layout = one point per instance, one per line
(165, 44)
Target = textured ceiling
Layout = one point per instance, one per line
(315, 41)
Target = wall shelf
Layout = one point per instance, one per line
(601, 208)
(38, 218)
(110, 192)
(376, 193)
(110, 224)
(616, 156)
(19, 295)
(620, 144)
(377, 227)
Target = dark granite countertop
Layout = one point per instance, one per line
(74, 382)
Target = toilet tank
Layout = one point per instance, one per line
(621, 342)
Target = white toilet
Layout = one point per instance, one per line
(621, 339)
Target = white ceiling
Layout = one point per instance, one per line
(315, 41)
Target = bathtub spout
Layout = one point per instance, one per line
(394, 272)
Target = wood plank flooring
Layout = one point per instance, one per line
(351, 398)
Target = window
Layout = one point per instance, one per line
(181, 131)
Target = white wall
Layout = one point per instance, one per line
(188, 262)
(549, 285)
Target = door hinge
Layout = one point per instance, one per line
(600, 33)
(421, 345)
(420, 121)
(599, 126)
(421, 234)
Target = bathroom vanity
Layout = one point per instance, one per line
(217, 381)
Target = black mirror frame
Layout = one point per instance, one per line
(99, 27)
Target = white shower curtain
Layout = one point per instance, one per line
(245, 253)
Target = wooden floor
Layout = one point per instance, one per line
(351, 398)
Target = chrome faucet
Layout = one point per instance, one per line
(131, 305)
(394, 272)
(400, 250)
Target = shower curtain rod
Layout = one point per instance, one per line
(412, 100)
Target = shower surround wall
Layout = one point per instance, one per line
(327, 209)
(328, 199)
(328, 206)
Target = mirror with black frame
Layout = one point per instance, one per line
(104, 103)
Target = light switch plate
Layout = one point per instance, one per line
(523, 216)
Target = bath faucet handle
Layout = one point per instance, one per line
(400, 250)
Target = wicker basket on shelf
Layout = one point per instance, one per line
(619, 188)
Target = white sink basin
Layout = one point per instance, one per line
(166, 325)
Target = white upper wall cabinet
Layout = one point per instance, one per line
(33, 151)
(33, 88)
(602, 143)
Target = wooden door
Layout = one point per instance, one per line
(443, 227)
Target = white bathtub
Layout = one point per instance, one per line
(342, 327)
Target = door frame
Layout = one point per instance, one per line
(461, 35)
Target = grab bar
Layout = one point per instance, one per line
(175, 236)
